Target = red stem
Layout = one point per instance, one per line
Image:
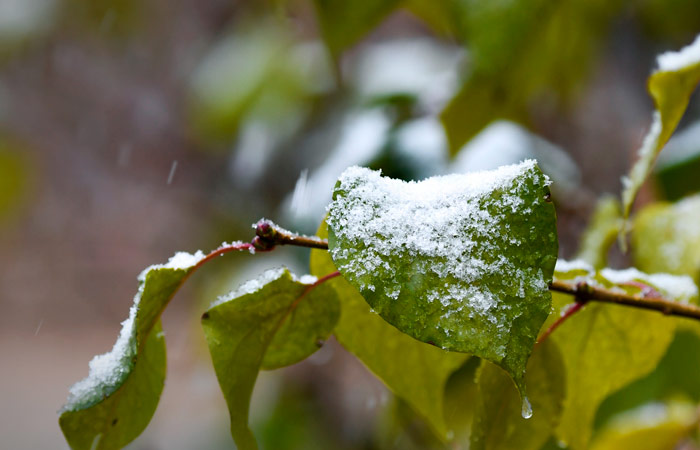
(571, 310)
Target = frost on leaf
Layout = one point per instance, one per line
(670, 86)
(460, 261)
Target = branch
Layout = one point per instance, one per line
(268, 235)
(585, 292)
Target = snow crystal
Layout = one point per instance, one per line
(680, 288)
(307, 279)
(674, 61)
(445, 225)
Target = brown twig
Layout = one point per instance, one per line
(587, 292)
(268, 235)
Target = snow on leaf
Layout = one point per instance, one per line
(670, 86)
(461, 261)
(118, 398)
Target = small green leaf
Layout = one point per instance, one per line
(461, 261)
(605, 347)
(113, 405)
(499, 423)
(269, 322)
(655, 426)
(670, 86)
(666, 238)
(601, 232)
(343, 23)
(414, 371)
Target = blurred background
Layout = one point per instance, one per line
(133, 129)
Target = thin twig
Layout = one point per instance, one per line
(268, 235)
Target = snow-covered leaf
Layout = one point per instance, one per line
(670, 86)
(462, 261)
(272, 321)
(414, 371)
(113, 405)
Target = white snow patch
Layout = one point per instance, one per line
(570, 266)
(307, 279)
(674, 61)
(680, 288)
(254, 285)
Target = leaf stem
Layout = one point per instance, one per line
(570, 311)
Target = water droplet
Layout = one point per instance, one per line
(526, 412)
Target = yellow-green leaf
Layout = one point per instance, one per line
(670, 86)
(666, 238)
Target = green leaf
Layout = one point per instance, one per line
(522, 53)
(651, 427)
(414, 371)
(499, 423)
(114, 404)
(601, 232)
(272, 321)
(343, 23)
(605, 347)
(670, 86)
(665, 238)
(461, 261)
